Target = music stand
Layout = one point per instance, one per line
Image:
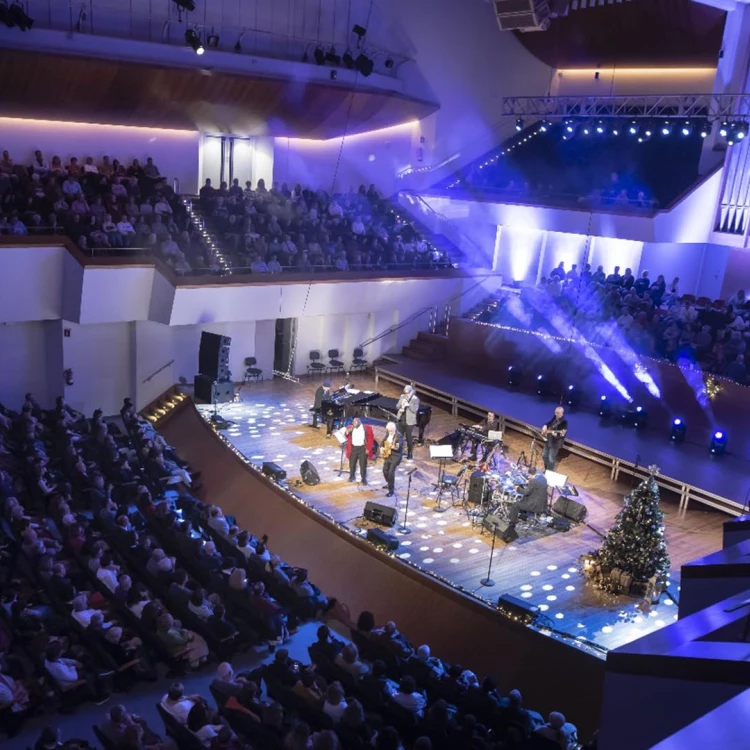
(555, 481)
(340, 435)
(441, 452)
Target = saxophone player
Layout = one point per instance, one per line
(392, 451)
(406, 416)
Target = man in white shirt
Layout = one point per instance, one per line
(125, 227)
(217, 521)
(335, 210)
(177, 704)
(65, 672)
(408, 698)
(625, 320)
(162, 207)
(273, 265)
(357, 226)
(89, 167)
(108, 573)
(357, 437)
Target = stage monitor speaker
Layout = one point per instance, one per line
(381, 539)
(518, 609)
(309, 473)
(569, 508)
(477, 487)
(382, 514)
(274, 471)
(502, 528)
(223, 392)
(213, 355)
(559, 524)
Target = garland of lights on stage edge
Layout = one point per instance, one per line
(579, 642)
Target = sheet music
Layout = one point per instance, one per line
(554, 479)
(441, 451)
(495, 434)
(340, 435)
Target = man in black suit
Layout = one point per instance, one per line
(534, 496)
(323, 392)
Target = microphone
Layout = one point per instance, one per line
(411, 471)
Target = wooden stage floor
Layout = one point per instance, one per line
(271, 424)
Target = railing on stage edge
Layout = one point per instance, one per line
(616, 466)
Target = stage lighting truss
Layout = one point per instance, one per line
(643, 129)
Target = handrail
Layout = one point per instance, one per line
(420, 313)
(154, 374)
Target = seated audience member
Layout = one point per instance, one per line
(226, 682)
(432, 665)
(389, 638)
(560, 731)
(307, 687)
(67, 672)
(335, 703)
(200, 723)
(177, 704)
(326, 645)
(182, 643)
(408, 698)
(349, 661)
(119, 719)
(218, 625)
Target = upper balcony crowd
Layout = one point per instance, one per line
(621, 169)
(106, 207)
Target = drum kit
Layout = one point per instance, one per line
(500, 492)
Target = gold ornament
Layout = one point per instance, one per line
(711, 387)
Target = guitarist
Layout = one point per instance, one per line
(554, 432)
(392, 451)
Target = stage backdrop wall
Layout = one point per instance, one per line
(175, 152)
(491, 350)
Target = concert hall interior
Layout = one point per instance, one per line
(374, 374)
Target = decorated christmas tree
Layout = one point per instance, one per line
(634, 552)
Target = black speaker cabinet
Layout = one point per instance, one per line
(274, 471)
(223, 392)
(213, 355)
(203, 388)
(382, 514)
(478, 487)
(517, 608)
(382, 539)
(569, 508)
(309, 473)
(504, 530)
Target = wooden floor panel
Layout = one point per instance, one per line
(271, 424)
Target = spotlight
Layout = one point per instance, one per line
(543, 126)
(514, 376)
(15, 15)
(678, 430)
(705, 130)
(640, 417)
(724, 129)
(569, 129)
(572, 396)
(359, 31)
(615, 130)
(238, 46)
(740, 130)
(605, 407)
(542, 385)
(334, 74)
(519, 124)
(332, 57)
(194, 41)
(586, 129)
(185, 4)
(666, 128)
(600, 129)
(320, 55)
(364, 65)
(212, 40)
(719, 443)
(687, 129)
(348, 59)
(633, 128)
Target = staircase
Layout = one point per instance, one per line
(427, 347)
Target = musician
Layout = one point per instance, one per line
(533, 496)
(555, 431)
(406, 416)
(360, 441)
(321, 394)
(392, 453)
(490, 423)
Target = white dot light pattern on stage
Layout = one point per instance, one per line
(258, 425)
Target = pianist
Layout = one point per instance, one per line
(323, 393)
(533, 496)
(490, 423)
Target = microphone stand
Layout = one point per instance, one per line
(404, 529)
(488, 580)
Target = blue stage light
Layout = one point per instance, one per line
(718, 443)
(519, 124)
(514, 376)
(687, 129)
(633, 128)
(572, 396)
(605, 407)
(600, 128)
(679, 428)
(724, 129)
(666, 128)
(640, 417)
(542, 386)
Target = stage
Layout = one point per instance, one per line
(271, 423)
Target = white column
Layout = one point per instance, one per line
(262, 162)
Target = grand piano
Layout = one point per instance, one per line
(343, 404)
(384, 407)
